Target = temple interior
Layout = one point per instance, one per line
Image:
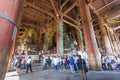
(39, 20)
(59, 27)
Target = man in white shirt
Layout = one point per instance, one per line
(55, 62)
(29, 65)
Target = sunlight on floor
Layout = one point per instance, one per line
(12, 76)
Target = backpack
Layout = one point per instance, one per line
(65, 62)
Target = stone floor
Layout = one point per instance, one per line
(50, 74)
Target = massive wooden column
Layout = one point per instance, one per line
(116, 49)
(118, 42)
(12, 52)
(11, 56)
(39, 40)
(80, 40)
(16, 34)
(99, 43)
(89, 37)
(59, 36)
(46, 41)
(107, 44)
(109, 36)
(9, 13)
(45, 45)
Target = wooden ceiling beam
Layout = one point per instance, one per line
(32, 18)
(33, 13)
(95, 24)
(71, 19)
(49, 22)
(44, 4)
(118, 31)
(69, 9)
(38, 8)
(91, 7)
(117, 16)
(90, 2)
(65, 21)
(106, 5)
(64, 3)
(31, 25)
(119, 36)
(118, 27)
(54, 8)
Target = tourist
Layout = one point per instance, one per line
(75, 66)
(23, 63)
(103, 62)
(29, 65)
(44, 61)
(18, 66)
(15, 63)
(72, 63)
(48, 62)
(108, 61)
(117, 66)
(82, 67)
(55, 62)
(65, 63)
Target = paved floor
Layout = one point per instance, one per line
(39, 74)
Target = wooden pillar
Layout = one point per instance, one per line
(116, 49)
(80, 40)
(46, 41)
(45, 45)
(118, 42)
(89, 37)
(9, 13)
(107, 45)
(110, 39)
(99, 43)
(12, 52)
(11, 55)
(59, 36)
(16, 34)
(39, 40)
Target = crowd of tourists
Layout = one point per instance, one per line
(74, 63)
(110, 62)
(19, 64)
